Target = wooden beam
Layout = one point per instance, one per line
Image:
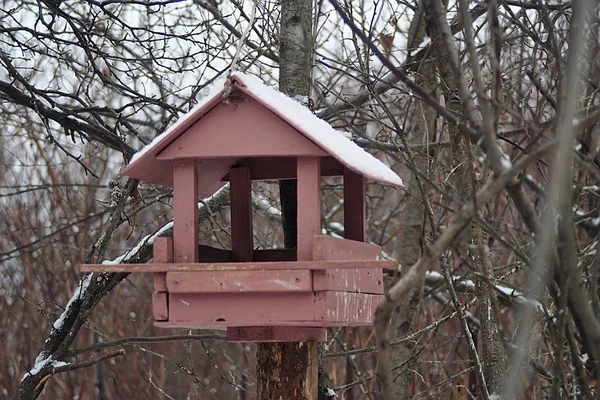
(309, 205)
(336, 249)
(185, 211)
(242, 236)
(355, 215)
(275, 255)
(306, 309)
(285, 168)
(299, 280)
(273, 266)
(212, 254)
(163, 253)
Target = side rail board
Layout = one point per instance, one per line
(238, 266)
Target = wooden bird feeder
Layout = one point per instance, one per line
(245, 131)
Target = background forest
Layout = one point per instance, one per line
(488, 110)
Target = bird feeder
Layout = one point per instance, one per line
(244, 131)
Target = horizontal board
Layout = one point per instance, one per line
(337, 249)
(349, 280)
(239, 281)
(317, 309)
(237, 266)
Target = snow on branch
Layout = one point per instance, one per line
(144, 245)
(512, 295)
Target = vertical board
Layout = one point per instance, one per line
(299, 280)
(185, 211)
(309, 205)
(160, 306)
(354, 206)
(241, 214)
(360, 280)
(163, 253)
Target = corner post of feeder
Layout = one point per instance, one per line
(309, 205)
(163, 253)
(355, 214)
(185, 211)
(242, 241)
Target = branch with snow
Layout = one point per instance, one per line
(90, 290)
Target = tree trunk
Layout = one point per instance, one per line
(291, 370)
(493, 355)
(422, 130)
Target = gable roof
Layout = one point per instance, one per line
(146, 166)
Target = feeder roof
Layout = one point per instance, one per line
(146, 164)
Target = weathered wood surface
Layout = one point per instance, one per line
(185, 211)
(361, 280)
(275, 334)
(283, 265)
(240, 281)
(358, 280)
(317, 309)
(328, 248)
(160, 306)
(163, 253)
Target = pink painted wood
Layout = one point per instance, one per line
(309, 205)
(355, 215)
(330, 248)
(160, 306)
(346, 309)
(276, 334)
(285, 168)
(240, 281)
(318, 309)
(242, 234)
(359, 280)
(185, 212)
(243, 128)
(188, 267)
(348, 280)
(163, 253)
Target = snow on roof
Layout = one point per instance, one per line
(334, 142)
(320, 132)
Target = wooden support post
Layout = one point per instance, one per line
(309, 205)
(185, 211)
(163, 253)
(289, 370)
(354, 206)
(242, 243)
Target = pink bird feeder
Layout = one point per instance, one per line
(241, 132)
